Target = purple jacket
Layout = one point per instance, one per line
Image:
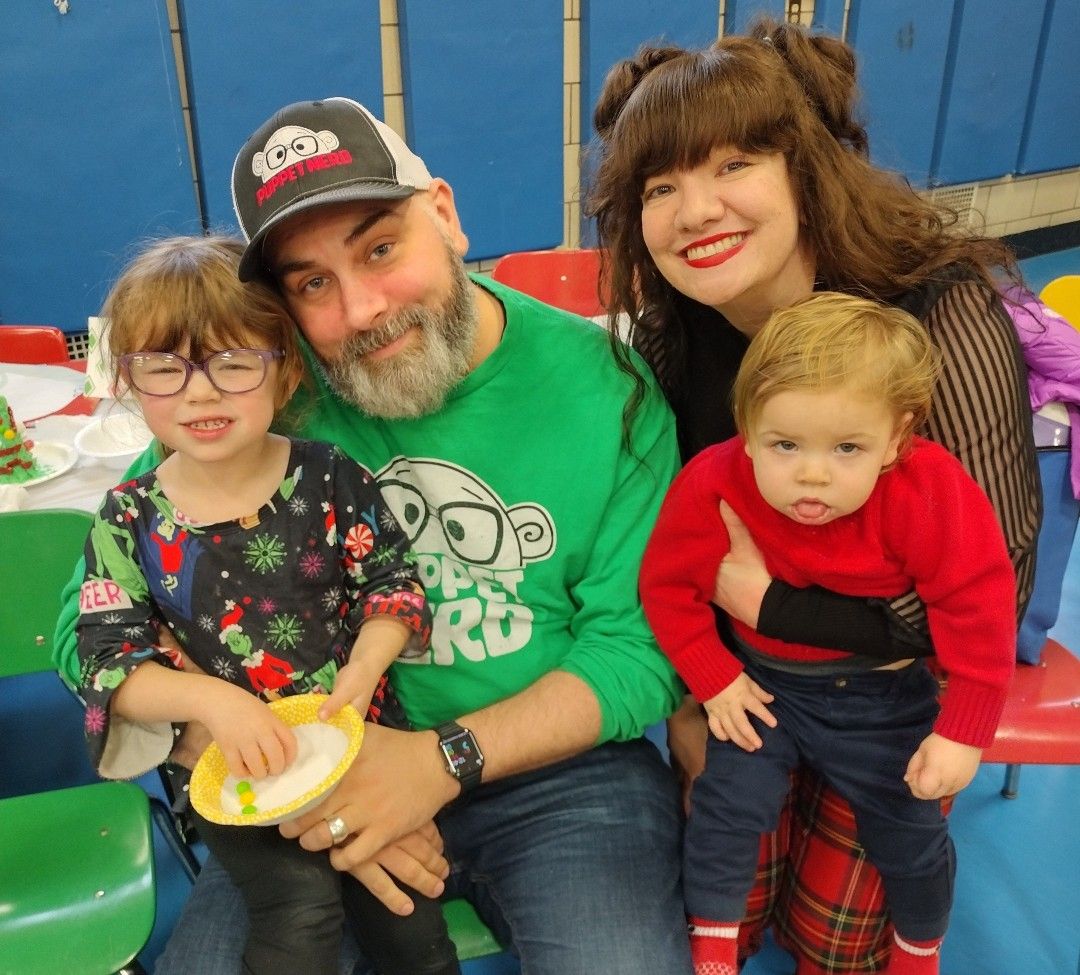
(1051, 349)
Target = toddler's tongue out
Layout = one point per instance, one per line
(811, 510)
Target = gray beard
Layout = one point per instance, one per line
(416, 381)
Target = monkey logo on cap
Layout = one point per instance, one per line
(288, 145)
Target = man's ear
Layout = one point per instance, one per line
(441, 198)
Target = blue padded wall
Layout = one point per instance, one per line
(89, 103)
(484, 108)
(614, 29)
(902, 47)
(829, 16)
(245, 61)
(739, 13)
(1052, 140)
(982, 116)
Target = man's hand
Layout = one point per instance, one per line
(416, 859)
(741, 579)
(728, 712)
(687, 733)
(397, 783)
(941, 767)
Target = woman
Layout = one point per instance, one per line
(732, 182)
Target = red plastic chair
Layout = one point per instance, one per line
(1041, 721)
(568, 279)
(32, 344)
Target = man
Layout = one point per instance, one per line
(493, 424)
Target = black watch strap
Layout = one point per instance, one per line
(464, 760)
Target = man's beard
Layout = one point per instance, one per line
(416, 380)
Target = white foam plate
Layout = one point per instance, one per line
(56, 458)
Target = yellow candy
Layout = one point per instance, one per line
(9, 434)
(248, 798)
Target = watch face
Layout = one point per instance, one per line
(462, 755)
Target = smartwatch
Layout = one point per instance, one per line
(464, 760)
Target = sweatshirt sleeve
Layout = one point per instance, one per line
(963, 572)
(678, 576)
(614, 651)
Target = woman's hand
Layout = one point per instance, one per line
(729, 712)
(742, 578)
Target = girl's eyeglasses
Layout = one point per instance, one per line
(166, 374)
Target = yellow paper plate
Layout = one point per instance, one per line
(325, 750)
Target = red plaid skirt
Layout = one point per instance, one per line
(816, 888)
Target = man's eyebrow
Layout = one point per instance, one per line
(367, 223)
(351, 237)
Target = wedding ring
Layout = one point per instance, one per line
(338, 829)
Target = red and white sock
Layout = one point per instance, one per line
(714, 946)
(914, 957)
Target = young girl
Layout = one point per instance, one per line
(830, 480)
(277, 566)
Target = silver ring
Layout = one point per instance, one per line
(338, 829)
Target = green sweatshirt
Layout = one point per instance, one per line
(529, 518)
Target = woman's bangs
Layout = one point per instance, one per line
(692, 107)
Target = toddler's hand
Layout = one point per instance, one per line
(728, 711)
(254, 740)
(941, 767)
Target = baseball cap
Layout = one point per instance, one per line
(309, 154)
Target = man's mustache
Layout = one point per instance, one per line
(393, 328)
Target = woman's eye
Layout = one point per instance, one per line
(733, 166)
(655, 191)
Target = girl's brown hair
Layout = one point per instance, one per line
(182, 290)
(778, 89)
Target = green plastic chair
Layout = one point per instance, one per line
(38, 551)
(76, 863)
(470, 935)
(77, 883)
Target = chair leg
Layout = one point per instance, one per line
(163, 816)
(1012, 781)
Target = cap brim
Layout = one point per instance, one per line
(251, 263)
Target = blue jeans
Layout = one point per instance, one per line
(574, 867)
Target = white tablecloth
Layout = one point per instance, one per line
(85, 484)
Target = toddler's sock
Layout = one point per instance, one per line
(914, 957)
(714, 946)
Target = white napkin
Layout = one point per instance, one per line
(13, 497)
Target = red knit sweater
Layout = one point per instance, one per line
(927, 525)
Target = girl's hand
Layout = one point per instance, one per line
(728, 711)
(254, 741)
(742, 578)
(377, 646)
(355, 684)
(941, 767)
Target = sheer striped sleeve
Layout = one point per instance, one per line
(981, 414)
